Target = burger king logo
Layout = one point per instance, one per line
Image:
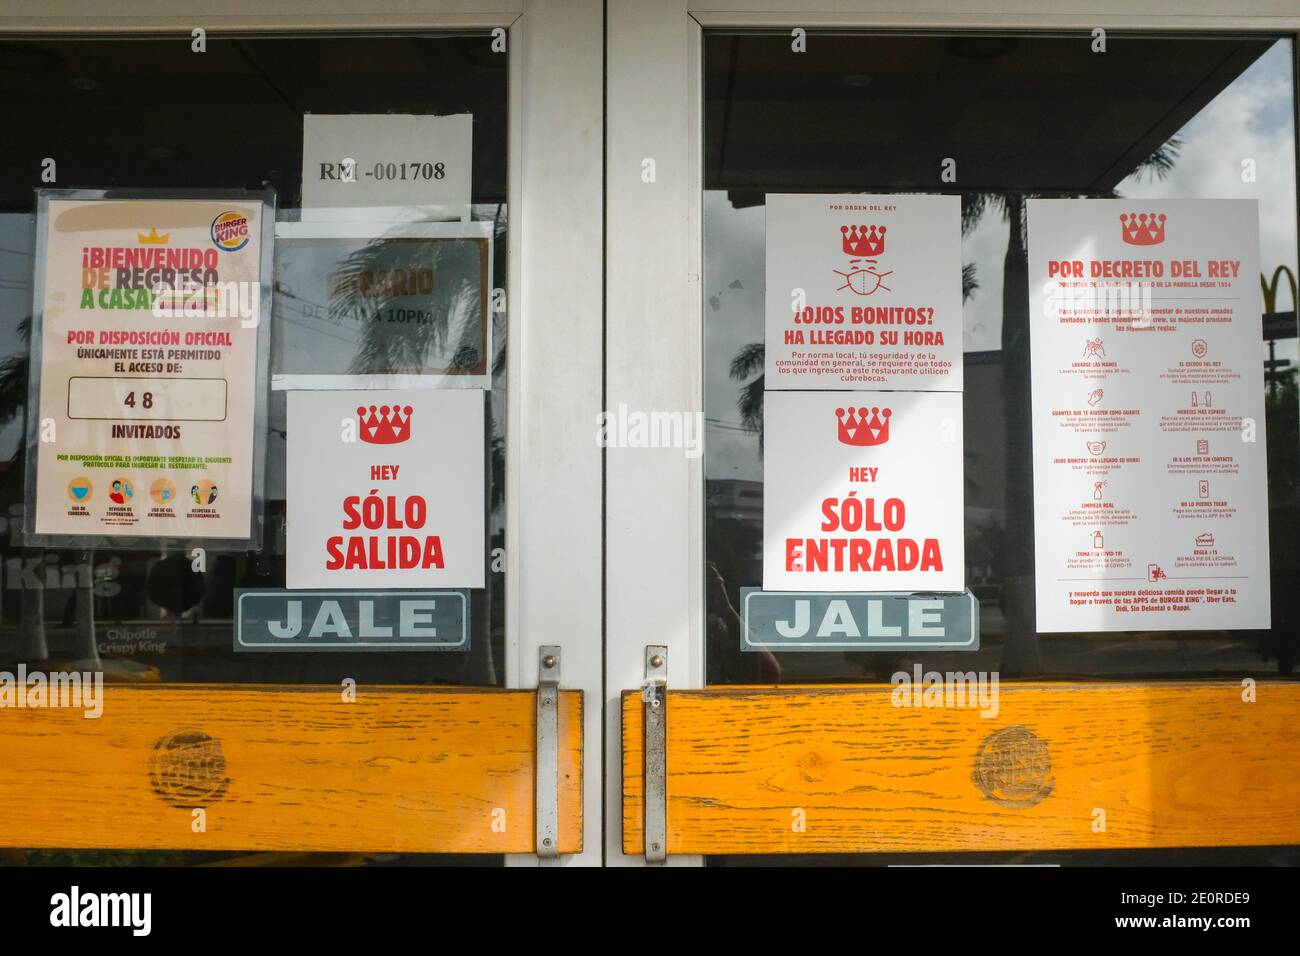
(230, 231)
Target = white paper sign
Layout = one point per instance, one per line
(863, 292)
(385, 489)
(863, 491)
(396, 165)
(1150, 473)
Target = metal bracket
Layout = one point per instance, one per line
(547, 808)
(654, 697)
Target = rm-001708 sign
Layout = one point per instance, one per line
(386, 166)
(148, 364)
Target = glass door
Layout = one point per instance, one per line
(1066, 697)
(360, 434)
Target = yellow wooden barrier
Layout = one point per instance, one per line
(400, 769)
(1062, 766)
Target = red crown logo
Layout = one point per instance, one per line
(1145, 229)
(384, 425)
(863, 427)
(861, 244)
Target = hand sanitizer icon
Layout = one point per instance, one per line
(1097, 540)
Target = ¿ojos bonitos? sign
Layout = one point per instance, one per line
(863, 292)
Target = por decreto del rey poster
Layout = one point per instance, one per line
(863, 292)
(1150, 494)
(146, 355)
(386, 489)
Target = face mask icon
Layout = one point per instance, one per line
(863, 281)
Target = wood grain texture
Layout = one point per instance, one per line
(1170, 764)
(401, 769)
